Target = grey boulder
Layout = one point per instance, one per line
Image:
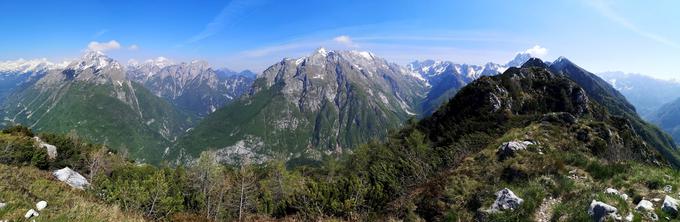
(510, 148)
(670, 205)
(599, 211)
(645, 205)
(505, 200)
(72, 178)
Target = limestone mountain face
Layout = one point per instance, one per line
(192, 87)
(327, 102)
(616, 104)
(93, 98)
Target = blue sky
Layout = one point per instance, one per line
(600, 35)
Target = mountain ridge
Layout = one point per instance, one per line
(322, 103)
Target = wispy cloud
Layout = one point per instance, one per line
(491, 38)
(274, 49)
(110, 46)
(133, 47)
(229, 15)
(103, 46)
(100, 33)
(295, 47)
(604, 8)
(399, 52)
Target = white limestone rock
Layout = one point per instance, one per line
(613, 191)
(31, 213)
(51, 149)
(668, 189)
(599, 211)
(505, 200)
(41, 205)
(72, 178)
(510, 148)
(630, 217)
(670, 205)
(645, 205)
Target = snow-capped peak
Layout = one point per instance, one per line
(322, 51)
(364, 54)
(133, 62)
(519, 59)
(24, 66)
(94, 59)
(160, 62)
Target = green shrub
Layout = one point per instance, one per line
(18, 130)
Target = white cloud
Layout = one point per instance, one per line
(345, 41)
(537, 51)
(103, 46)
(133, 47)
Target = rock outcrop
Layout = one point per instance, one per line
(599, 211)
(72, 178)
(508, 149)
(645, 205)
(51, 149)
(670, 205)
(613, 191)
(505, 200)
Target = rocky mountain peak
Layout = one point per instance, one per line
(96, 60)
(155, 63)
(321, 51)
(534, 62)
(519, 59)
(561, 63)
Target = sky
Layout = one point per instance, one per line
(599, 35)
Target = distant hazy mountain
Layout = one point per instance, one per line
(668, 118)
(646, 93)
(616, 104)
(193, 87)
(93, 98)
(18, 74)
(446, 78)
(327, 102)
(225, 73)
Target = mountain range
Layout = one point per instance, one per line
(19, 73)
(539, 142)
(446, 78)
(93, 98)
(326, 102)
(298, 109)
(648, 94)
(139, 108)
(194, 87)
(336, 134)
